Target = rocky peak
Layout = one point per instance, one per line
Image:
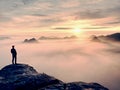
(17, 69)
(25, 77)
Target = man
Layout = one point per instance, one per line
(14, 55)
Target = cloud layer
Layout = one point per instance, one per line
(69, 60)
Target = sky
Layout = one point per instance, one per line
(71, 59)
(26, 16)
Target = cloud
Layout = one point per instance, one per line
(28, 1)
(88, 61)
(69, 4)
(63, 53)
(26, 21)
(4, 38)
(41, 6)
(89, 14)
(30, 21)
(113, 50)
(52, 13)
(4, 18)
(37, 14)
(114, 21)
(115, 11)
(62, 28)
(51, 21)
(93, 27)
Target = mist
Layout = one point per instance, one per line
(68, 60)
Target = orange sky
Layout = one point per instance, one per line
(30, 16)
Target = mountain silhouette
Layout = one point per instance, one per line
(25, 77)
(115, 36)
(111, 37)
(32, 40)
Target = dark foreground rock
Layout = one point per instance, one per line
(25, 77)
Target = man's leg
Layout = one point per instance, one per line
(12, 59)
(15, 59)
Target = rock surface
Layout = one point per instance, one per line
(25, 77)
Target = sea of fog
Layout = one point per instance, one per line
(68, 59)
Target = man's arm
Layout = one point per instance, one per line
(11, 50)
(15, 51)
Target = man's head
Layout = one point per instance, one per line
(13, 46)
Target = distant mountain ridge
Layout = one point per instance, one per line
(25, 77)
(102, 38)
(34, 40)
(115, 36)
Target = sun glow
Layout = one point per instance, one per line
(77, 31)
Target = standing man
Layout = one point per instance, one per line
(14, 55)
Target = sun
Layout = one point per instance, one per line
(77, 30)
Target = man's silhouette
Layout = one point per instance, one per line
(14, 55)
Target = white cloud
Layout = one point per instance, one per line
(69, 4)
(88, 61)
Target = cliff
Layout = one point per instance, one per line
(25, 77)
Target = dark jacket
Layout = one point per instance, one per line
(13, 51)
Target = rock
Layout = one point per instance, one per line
(17, 69)
(57, 38)
(108, 38)
(95, 38)
(32, 40)
(25, 77)
(115, 37)
(76, 86)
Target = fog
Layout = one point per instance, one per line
(69, 59)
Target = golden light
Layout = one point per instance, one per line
(77, 30)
